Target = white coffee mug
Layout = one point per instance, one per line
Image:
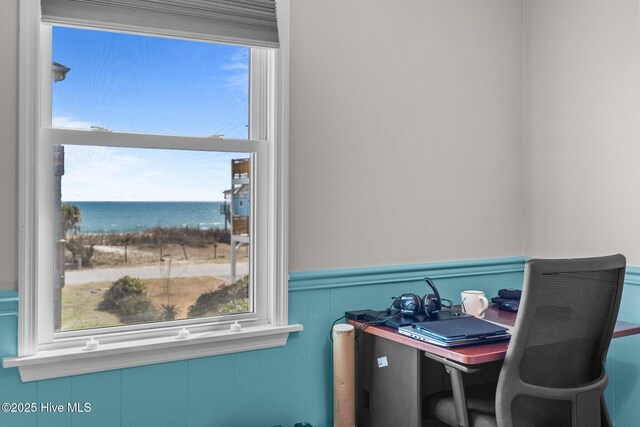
(474, 303)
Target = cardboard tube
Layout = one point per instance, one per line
(344, 376)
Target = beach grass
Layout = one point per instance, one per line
(80, 307)
(80, 302)
(113, 256)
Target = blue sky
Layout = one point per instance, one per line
(151, 85)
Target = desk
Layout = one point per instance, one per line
(392, 395)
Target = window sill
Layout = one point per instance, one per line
(76, 361)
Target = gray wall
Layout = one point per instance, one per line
(405, 131)
(8, 141)
(582, 93)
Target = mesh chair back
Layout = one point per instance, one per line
(563, 330)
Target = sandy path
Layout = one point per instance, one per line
(221, 271)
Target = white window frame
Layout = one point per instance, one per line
(43, 354)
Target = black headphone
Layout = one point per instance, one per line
(412, 304)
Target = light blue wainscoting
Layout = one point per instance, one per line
(258, 388)
(623, 363)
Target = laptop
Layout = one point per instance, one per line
(400, 320)
(461, 331)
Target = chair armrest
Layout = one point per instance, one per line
(567, 393)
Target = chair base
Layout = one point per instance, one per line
(481, 401)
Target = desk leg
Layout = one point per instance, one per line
(387, 383)
(459, 398)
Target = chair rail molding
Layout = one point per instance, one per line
(378, 275)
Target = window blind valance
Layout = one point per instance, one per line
(247, 22)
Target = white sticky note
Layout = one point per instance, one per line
(382, 362)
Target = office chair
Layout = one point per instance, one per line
(553, 373)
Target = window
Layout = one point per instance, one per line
(140, 238)
(133, 83)
(156, 221)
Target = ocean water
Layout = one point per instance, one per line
(128, 217)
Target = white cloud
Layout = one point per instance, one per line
(237, 77)
(238, 81)
(127, 174)
(70, 122)
(239, 61)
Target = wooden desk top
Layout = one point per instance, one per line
(480, 353)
